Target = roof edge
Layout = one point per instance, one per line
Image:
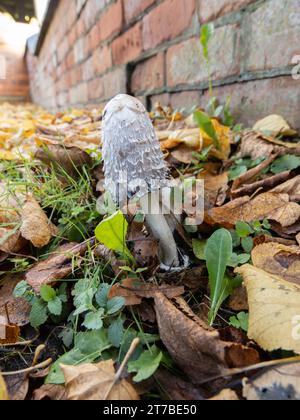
(45, 26)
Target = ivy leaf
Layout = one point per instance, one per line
(112, 232)
(205, 123)
(114, 305)
(146, 365)
(94, 320)
(218, 253)
(55, 306)
(47, 293)
(38, 315)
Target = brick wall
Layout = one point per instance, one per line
(95, 49)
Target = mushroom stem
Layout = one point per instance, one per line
(159, 227)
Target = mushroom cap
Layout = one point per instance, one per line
(133, 160)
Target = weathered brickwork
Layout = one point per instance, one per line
(94, 49)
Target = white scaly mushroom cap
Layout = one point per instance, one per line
(131, 148)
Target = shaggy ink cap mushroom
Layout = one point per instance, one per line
(134, 166)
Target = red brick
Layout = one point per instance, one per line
(114, 83)
(133, 8)
(213, 9)
(80, 27)
(94, 37)
(128, 46)
(185, 100)
(257, 99)
(272, 35)
(149, 75)
(168, 20)
(111, 20)
(102, 59)
(95, 89)
(186, 64)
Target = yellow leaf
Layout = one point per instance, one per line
(274, 310)
(278, 259)
(224, 135)
(3, 390)
(274, 125)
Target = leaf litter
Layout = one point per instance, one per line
(98, 296)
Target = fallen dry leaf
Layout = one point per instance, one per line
(134, 291)
(3, 390)
(238, 301)
(92, 382)
(256, 145)
(278, 384)
(50, 392)
(215, 189)
(226, 395)
(175, 388)
(198, 350)
(35, 226)
(278, 259)
(276, 207)
(18, 310)
(17, 386)
(290, 187)
(274, 309)
(58, 266)
(274, 125)
(66, 158)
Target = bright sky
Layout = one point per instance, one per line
(15, 34)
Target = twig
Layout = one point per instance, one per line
(37, 354)
(42, 365)
(20, 343)
(238, 371)
(130, 352)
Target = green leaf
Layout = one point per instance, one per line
(199, 248)
(243, 229)
(218, 253)
(205, 123)
(116, 332)
(72, 358)
(247, 244)
(285, 163)
(112, 232)
(114, 305)
(207, 32)
(92, 342)
(38, 315)
(237, 171)
(241, 321)
(47, 293)
(239, 259)
(102, 294)
(94, 320)
(21, 289)
(55, 306)
(146, 365)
